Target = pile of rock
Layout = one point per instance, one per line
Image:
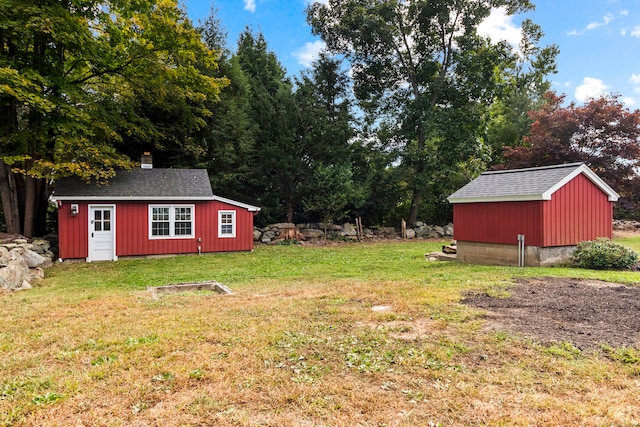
(620, 224)
(310, 231)
(22, 263)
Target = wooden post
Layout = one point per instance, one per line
(404, 229)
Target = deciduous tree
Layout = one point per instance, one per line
(80, 82)
(603, 133)
(522, 90)
(422, 67)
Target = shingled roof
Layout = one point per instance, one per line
(145, 184)
(525, 184)
(140, 184)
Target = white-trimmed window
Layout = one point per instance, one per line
(171, 221)
(226, 224)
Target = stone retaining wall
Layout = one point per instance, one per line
(310, 231)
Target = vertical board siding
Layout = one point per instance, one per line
(73, 237)
(577, 211)
(209, 223)
(498, 222)
(132, 230)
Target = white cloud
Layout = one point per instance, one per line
(624, 13)
(590, 88)
(309, 53)
(628, 101)
(635, 79)
(605, 21)
(250, 5)
(636, 31)
(499, 26)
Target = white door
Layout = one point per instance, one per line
(101, 233)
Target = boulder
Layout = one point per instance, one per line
(448, 230)
(423, 231)
(410, 233)
(5, 256)
(330, 227)
(23, 286)
(33, 259)
(386, 231)
(15, 272)
(306, 225)
(257, 234)
(17, 251)
(36, 274)
(348, 230)
(268, 236)
(281, 225)
(40, 245)
(312, 233)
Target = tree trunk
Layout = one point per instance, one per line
(30, 206)
(9, 197)
(290, 211)
(42, 196)
(416, 200)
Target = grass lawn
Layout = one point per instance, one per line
(344, 335)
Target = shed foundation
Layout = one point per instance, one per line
(501, 254)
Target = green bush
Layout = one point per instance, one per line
(603, 254)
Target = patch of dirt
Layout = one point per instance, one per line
(405, 330)
(586, 313)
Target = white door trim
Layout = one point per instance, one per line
(92, 253)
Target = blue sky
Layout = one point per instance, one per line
(599, 40)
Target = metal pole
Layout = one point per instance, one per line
(520, 250)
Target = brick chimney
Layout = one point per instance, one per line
(146, 160)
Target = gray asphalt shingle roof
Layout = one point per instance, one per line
(172, 184)
(525, 184)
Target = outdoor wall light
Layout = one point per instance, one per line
(74, 209)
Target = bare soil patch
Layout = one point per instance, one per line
(586, 313)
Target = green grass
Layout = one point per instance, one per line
(630, 242)
(296, 344)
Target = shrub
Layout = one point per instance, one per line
(603, 254)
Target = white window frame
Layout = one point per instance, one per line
(231, 235)
(172, 222)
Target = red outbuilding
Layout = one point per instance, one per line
(147, 212)
(533, 216)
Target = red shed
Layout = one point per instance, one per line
(149, 212)
(533, 216)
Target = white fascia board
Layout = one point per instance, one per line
(250, 208)
(156, 199)
(591, 176)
